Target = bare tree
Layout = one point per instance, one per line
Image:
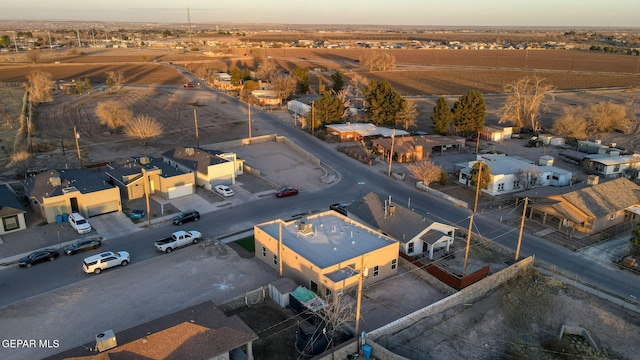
(113, 114)
(528, 97)
(407, 114)
(117, 78)
(572, 123)
(143, 128)
(266, 69)
(425, 171)
(40, 86)
(336, 315)
(356, 80)
(284, 85)
(34, 56)
(377, 61)
(607, 117)
(528, 178)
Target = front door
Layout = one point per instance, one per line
(74, 205)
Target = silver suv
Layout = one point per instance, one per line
(97, 263)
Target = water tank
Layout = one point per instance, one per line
(106, 340)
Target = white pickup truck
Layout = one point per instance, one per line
(178, 239)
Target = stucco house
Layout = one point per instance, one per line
(586, 208)
(164, 180)
(416, 234)
(65, 191)
(416, 148)
(11, 211)
(211, 167)
(326, 252)
(510, 174)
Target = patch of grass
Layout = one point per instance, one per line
(247, 243)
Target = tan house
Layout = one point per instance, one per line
(211, 167)
(55, 193)
(415, 148)
(416, 234)
(201, 332)
(588, 208)
(11, 211)
(164, 180)
(326, 252)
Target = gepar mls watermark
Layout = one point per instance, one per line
(30, 343)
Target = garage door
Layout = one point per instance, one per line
(102, 208)
(178, 191)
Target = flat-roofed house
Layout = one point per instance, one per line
(326, 252)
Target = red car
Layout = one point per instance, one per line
(189, 85)
(287, 191)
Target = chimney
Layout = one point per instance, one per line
(305, 228)
(593, 179)
(54, 181)
(189, 151)
(392, 209)
(144, 160)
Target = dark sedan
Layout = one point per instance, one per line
(287, 191)
(186, 216)
(38, 256)
(82, 245)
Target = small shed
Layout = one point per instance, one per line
(280, 289)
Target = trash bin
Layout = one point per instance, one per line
(65, 217)
(366, 351)
(59, 219)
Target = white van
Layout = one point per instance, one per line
(79, 223)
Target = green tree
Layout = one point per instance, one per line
(236, 76)
(441, 117)
(328, 109)
(635, 236)
(246, 74)
(5, 41)
(302, 79)
(167, 33)
(79, 86)
(485, 174)
(383, 102)
(109, 83)
(338, 81)
(469, 112)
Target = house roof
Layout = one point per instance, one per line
(195, 158)
(9, 204)
(403, 225)
(615, 160)
(55, 182)
(407, 144)
(199, 332)
(365, 129)
(593, 201)
(332, 238)
(125, 171)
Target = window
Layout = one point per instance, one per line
(501, 187)
(394, 264)
(410, 248)
(376, 271)
(616, 168)
(10, 223)
(264, 251)
(327, 292)
(275, 259)
(516, 184)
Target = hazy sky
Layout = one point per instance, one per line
(562, 13)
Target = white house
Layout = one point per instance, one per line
(211, 167)
(509, 174)
(615, 166)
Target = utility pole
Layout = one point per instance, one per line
(195, 119)
(524, 213)
(466, 252)
(249, 106)
(146, 193)
(313, 117)
(280, 249)
(15, 42)
(393, 138)
(475, 206)
(362, 275)
(78, 33)
(77, 136)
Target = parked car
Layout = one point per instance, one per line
(287, 191)
(96, 263)
(82, 245)
(189, 85)
(178, 239)
(137, 214)
(38, 256)
(186, 216)
(79, 223)
(224, 190)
